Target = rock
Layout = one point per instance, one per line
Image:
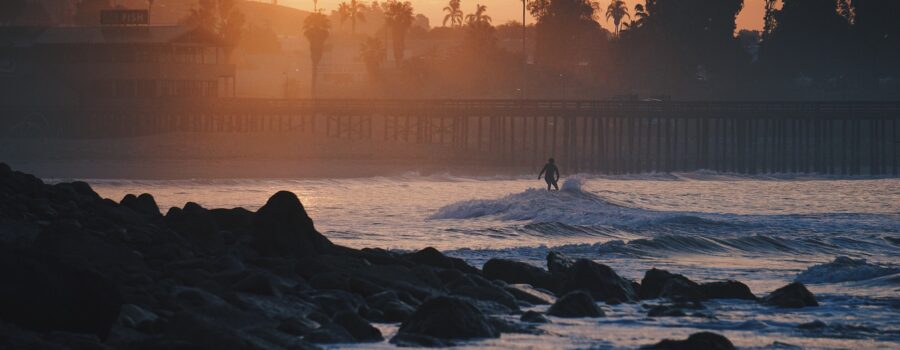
(444, 319)
(233, 219)
(727, 290)
(514, 272)
(257, 282)
(144, 204)
(655, 279)
(298, 326)
(529, 294)
(196, 225)
(330, 334)
(359, 328)
(599, 280)
(558, 263)
(533, 317)
(697, 341)
(576, 304)
(44, 294)
(134, 316)
(794, 295)
(682, 290)
(812, 325)
(282, 228)
(665, 311)
(434, 258)
(476, 287)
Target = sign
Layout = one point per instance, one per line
(124, 17)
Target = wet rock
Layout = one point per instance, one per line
(599, 280)
(298, 326)
(441, 320)
(44, 294)
(282, 228)
(794, 295)
(696, 341)
(529, 294)
(558, 263)
(533, 317)
(655, 280)
(330, 334)
(727, 290)
(576, 304)
(434, 258)
(257, 282)
(681, 290)
(665, 311)
(134, 316)
(476, 287)
(359, 328)
(144, 204)
(514, 272)
(812, 325)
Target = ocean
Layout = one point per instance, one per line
(839, 236)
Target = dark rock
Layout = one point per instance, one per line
(599, 280)
(517, 272)
(418, 340)
(665, 311)
(359, 328)
(434, 258)
(812, 325)
(330, 334)
(44, 294)
(558, 263)
(533, 317)
(282, 228)
(233, 219)
(196, 224)
(697, 341)
(575, 305)
(682, 290)
(134, 316)
(794, 295)
(476, 287)
(655, 279)
(298, 326)
(529, 294)
(257, 282)
(444, 318)
(330, 280)
(144, 204)
(727, 290)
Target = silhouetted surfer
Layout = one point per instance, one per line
(552, 174)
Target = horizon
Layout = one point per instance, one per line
(502, 11)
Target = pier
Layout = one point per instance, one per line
(606, 137)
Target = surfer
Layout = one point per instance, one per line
(552, 174)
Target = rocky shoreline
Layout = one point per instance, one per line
(83, 272)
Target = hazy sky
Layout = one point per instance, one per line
(505, 10)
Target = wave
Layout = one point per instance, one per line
(696, 244)
(845, 269)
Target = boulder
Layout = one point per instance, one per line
(196, 224)
(696, 341)
(298, 326)
(434, 258)
(599, 280)
(44, 294)
(558, 263)
(282, 228)
(576, 304)
(330, 334)
(727, 290)
(444, 319)
(682, 290)
(529, 294)
(514, 272)
(665, 311)
(794, 295)
(144, 204)
(359, 328)
(655, 279)
(533, 317)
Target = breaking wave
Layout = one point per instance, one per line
(845, 269)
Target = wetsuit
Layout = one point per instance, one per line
(552, 175)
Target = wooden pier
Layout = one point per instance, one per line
(840, 138)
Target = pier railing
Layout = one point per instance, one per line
(850, 138)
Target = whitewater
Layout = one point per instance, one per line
(840, 236)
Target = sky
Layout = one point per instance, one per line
(505, 10)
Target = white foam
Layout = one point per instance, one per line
(844, 269)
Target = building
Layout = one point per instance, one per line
(118, 60)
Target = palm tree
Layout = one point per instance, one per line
(617, 10)
(478, 16)
(352, 11)
(454, 14)
(315, 28)
(399, 17)
(372, 53)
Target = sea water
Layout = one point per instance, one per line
(839, 236)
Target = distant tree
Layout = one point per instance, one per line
(877, 32)
(219, 17)
(372, 53)
(565, 29)
(454, 14)
(479, 16)
(399, 17)
(10, 10)
(617, 10)
(353, 11)
(316, 28)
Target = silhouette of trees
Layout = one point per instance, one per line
(564, 30)
(353, 11)
(479, 17)
(399, 17)
(315, 28)
(877, 31)
(219, 17)
(372, 53)
(454, 14)
(617, 10)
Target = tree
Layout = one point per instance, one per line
(454, 14)
(399, 17)
(372, 53)
(219, 17)
(352, 11)
(479, 16)
(10, 10)
(565, 30)
(315, 28)
(617, 10)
